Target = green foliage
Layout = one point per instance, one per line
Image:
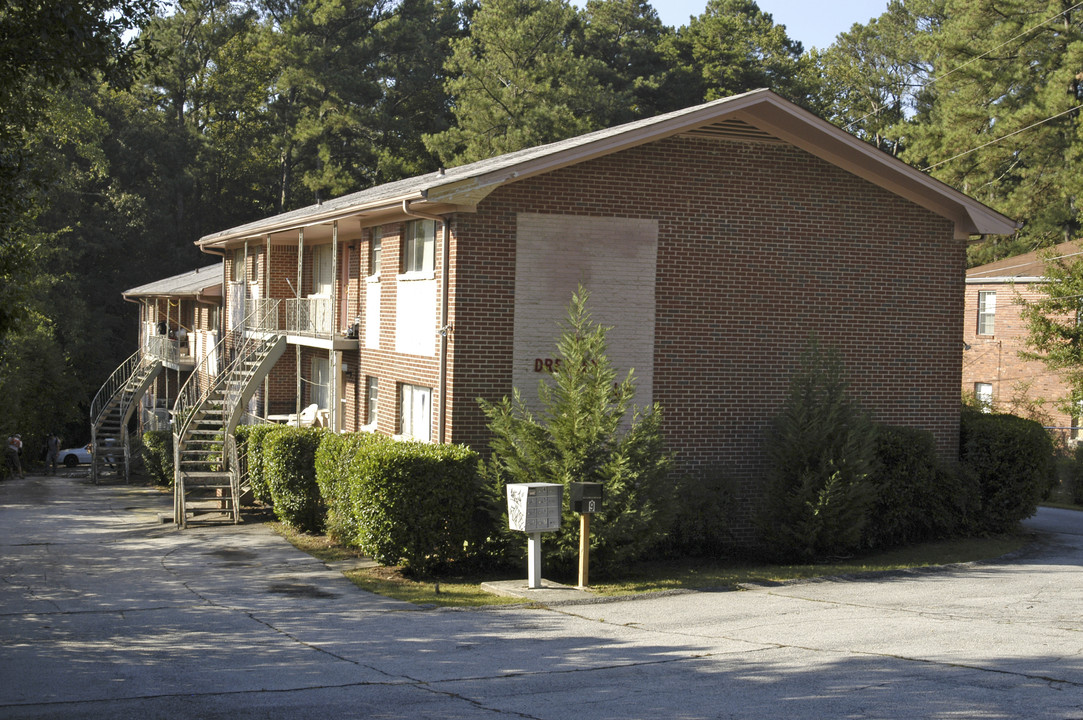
(734, 47)
(517, 81)
(1001, 120)
(1011, 460)
(250, 451)
(158, 456)
(402, 503)
(1054, 334)
(289, 456)
(705, 503)
(585, 434)
(820, 453)
(917, 499)
(1075, 478)
(866, 80)
(340, 484)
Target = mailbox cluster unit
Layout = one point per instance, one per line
(535, 507)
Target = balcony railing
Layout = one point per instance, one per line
(162, 348)
(310, 317)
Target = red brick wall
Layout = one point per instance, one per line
(759, 246)
(1022, 387)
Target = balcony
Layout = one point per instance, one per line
(304, 321)
(169, 351)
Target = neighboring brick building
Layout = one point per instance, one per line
(178, 325)
(994, 335)
(714, 241)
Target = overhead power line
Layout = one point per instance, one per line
(973, 60)
(999, 139)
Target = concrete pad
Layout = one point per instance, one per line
(550, 592)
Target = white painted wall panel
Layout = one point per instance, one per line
(415, 318)
(372, 315)
(615, 259)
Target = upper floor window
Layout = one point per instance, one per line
(375, 252)
(321, 270)
(236, 268)
(987, 310)
(418, 246)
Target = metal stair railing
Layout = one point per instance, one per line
(213, 374)
(114, 384)
(205, 379)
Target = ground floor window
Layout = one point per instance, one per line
(321, 383)
(372, 395)
(415, 416)
(983, 393)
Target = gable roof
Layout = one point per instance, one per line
(756, 114)
(199, 283)
(1028, 267)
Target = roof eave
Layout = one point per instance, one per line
(278, 224)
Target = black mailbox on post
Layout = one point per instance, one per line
(585, 497)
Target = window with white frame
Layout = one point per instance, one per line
(236, 268)
(375, 252)
(987, 310)
(320, 392)
(321, 271)
(419, 246)
(983, 393)
(372, 395)
(415, 414)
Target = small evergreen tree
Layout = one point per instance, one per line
(584, 434)
(820, 455)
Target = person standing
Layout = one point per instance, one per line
(11, 454)
(52, 452)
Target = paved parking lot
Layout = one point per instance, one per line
(105, 613)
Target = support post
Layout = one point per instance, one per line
(584, 549)
(534, 561)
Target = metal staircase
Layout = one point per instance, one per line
(111, 410)
(208, 408)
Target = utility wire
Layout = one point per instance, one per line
(1005, 137)
(973, 60)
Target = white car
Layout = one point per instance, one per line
(77, 456)
(74, 456)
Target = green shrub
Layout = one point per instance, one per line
(413, 503)
(1011, 459)
(917, 498)
(1075, 480)
(588, 431)
(820, 453)
(158, 456)
(704, 505)
(250, 451)
(340, 485)
(289, 457)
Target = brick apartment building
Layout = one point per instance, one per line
(178, 325)
(714, 240)
(994, 335)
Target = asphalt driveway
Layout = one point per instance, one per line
(105, 613)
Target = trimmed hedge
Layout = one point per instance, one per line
(289, 455)
(1011, 459)
(917, 498)
(250, 449)
(401, 503)
(158, 456)
(338, 485)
